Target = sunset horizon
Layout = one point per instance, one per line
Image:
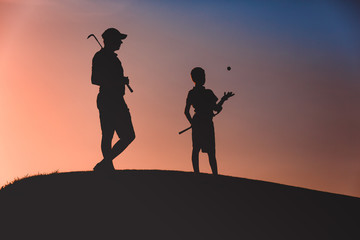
(294, 119)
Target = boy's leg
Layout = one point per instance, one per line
(195, 159)
(212, 161)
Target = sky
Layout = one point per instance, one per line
(295, 73)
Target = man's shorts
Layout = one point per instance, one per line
(114, 116)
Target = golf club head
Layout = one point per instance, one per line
(92, 35)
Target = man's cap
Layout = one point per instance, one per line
(113, 33)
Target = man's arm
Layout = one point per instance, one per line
(96, 71)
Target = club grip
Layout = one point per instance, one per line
(129, 88)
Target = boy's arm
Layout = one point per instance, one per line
(187, 108)
(187, 112)
(226, 96)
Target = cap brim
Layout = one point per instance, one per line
(123, 36)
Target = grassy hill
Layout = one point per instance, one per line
(150, 204)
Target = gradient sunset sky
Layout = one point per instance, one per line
(295, 118)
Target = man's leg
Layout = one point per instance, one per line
(212, 161)
(107, 131)
(106, 141)
(195, 159)
(122, 144)
(126, 133)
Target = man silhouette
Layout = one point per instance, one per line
(204, 102)
(108, 73)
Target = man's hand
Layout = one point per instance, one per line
(126, 80)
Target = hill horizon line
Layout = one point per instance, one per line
(17, 180)
(138, 204)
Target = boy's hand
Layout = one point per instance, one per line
(190, 121)
(227, 95)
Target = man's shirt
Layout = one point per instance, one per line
(108, 73)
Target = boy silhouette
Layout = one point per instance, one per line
(204, 103)
(108, 73)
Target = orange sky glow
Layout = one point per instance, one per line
(294, 120)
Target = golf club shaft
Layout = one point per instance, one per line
(129, 87)
(185, 130)
(98, 41)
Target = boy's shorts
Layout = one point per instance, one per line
(203, 134)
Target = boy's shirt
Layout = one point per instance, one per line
(203, 100)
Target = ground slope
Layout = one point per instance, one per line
(171, 205)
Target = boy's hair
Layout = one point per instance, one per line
(198, 75)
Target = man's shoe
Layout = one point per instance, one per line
(104, 167)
